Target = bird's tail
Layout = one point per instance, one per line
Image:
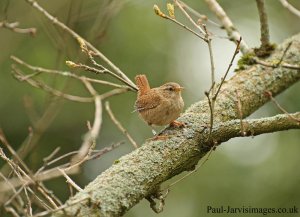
(142, 84)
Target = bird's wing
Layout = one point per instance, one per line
(146, 102)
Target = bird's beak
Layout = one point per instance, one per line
(178, 89)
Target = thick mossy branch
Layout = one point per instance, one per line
(136, 175)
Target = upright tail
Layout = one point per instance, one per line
(142, 84)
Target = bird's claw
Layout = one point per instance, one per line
(177, 124)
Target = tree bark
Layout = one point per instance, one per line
(139, 173)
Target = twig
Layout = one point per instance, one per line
(70, 181)
(105, 150)
(11, 211)
(47, 159)
(14, 27)
(20, 174)
(119, 125)
(212, 100)
(74, 202)
(290, 7)
(211, 57)
(15, 167)
(42, 176)
(98, 71)
(231, 30)
(240, 113)
(269, 94)
(284, 53)
(264, 27)
(272, 65)
(229, 66)
(161, 14)
(12, 151)
(195, 170)
(10, 185)
(211, 109)
(202, 28)
(91, 136)
(101, 69)
(197, 14)
(113, 93)
(190, 19)
(29, 207)
(18, 75)
(65, 28)
(39, 70)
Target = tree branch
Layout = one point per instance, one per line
(290, 7)
(264, 27)
(138, 174)
(232, 32)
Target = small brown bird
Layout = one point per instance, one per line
(161, 105)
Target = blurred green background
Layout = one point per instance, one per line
(258, 172)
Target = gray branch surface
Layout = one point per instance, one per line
(138, 174)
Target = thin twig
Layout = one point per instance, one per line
(98, 71)
(119, 125)
(100, 68)
(105, 150)
(37, 84)
(284, 53)
(42, 176)
(10, 185)
(11, 211)
(14, 27)
(161, 14)
(20, 173)
(229, 66)
(197, 14)
(211, 57)
(47, 159)
(39, 70)
(195, 170)
(12, 151)
(90, 138)
(272, 65)
(70, 181)
(29, 207)
(75, 35)
(211, 109)
(269, 94)
(113, 93)
(199, 27)
(212, 100)
(74, 202)
(240, 113)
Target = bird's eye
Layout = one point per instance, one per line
(170, 88)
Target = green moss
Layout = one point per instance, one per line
(116, 161)
(245, 60)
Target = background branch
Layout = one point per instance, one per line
(290, 7)
(231, 30)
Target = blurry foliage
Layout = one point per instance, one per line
(137, 41)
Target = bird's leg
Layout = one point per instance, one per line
(177, 124)
(156, 135)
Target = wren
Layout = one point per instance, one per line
(159, 106)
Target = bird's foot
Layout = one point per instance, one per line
(160, 137)
(177, 124)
